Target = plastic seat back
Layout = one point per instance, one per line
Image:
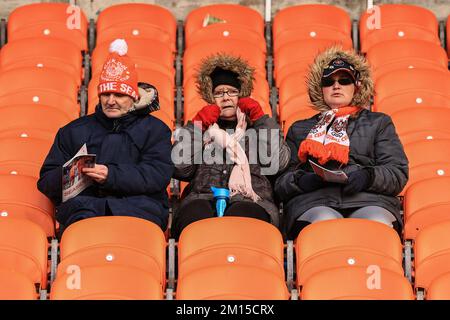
(16, 286)
(344, 242)
(117, 240)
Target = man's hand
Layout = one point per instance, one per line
(99, 173)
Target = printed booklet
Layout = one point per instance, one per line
(73, 180)
(337, 176)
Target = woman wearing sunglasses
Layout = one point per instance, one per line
(344, 136)
(232, 144)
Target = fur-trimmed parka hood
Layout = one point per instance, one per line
(365, 89)
(226, 62)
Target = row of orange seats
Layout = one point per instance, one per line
(221, 258)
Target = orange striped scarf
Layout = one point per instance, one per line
(331, 145)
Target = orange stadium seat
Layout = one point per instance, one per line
(230, 242)
(292, 86)
(421, 123)
(426, 202)
(356, 283)
(19, 198)
(392, 55)
(397, 21)
(439, 288)
(346, 242)
(16, 286)
(23, 155)
(427, 151)
(117, 240)
(52, 81)
(412, 87)
(431, 254)
(106, 282)
(231, 13)
(298, 105)
(426, 171)
(143, 21)
(52, 20)
(51, 53)
(31, 121)
(144, 53)
(23, 249)
(293, 57)
(227, 31)
(315, 21)
(236, 282)
(448, 32)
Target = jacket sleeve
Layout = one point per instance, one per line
(273, 151)
(187, 151)
(390, 172)
(286, 186)
(151, 175)
(50, 177)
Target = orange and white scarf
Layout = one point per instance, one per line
(328, 145)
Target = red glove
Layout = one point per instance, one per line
(208, 115)
(250, 107)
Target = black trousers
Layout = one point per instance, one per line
(202, 209)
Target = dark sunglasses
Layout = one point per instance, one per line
(328, 82)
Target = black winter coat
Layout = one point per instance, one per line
(202, 173)
(136, 148)
(373, 144)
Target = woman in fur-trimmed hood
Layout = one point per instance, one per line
(225, 82)
(344, 136)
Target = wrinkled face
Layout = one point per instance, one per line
(339, 95)
(226, 97)
(115, 105)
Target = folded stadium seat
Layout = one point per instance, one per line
(31, 121)
(412, 87)
(52, 53)
(222, 13)
(194, 54)
(397, 21)
(392, 55)
(431, 254)
(426, 202)
(346, 242)
(49, 20)
(23, 155)
(23, 250)
(357, 283)
(292, 86)
(115, 241)
(237, 282)
(28, 80)
(310, 21)
(19, 198)
(106, 282)
(219, 31)
(427, 171)
(137, 20)
(439, 288)
(230, 242)
(421, 123)
(427, 151)
(297, 56)
(301, 114)
(297, 105)
(145, 54)
(16, 286)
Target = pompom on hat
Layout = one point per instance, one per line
(119, 73)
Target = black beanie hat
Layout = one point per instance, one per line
(221, 76)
